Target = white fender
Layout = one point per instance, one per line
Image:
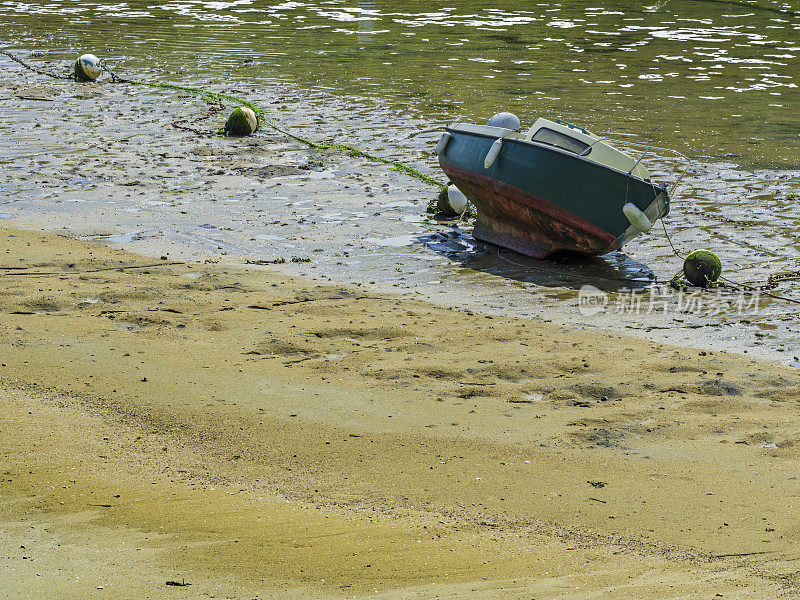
(457, 199)
(491, 156)
(637, 218)
(443, 141)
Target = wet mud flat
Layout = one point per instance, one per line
(254, 434)
(104, 163)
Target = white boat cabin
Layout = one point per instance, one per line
(565, 137)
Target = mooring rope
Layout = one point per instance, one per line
(18, 60)
(263, 119)
(678, 281)
(214, 109)
(393, 164)
(771, 283)
(216, 99)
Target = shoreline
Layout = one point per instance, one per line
(254, 432)
(107, 165)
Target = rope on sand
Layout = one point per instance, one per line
(50, 74)
(263, 119)
(217, 98)
(678, 281)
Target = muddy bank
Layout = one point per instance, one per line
(103, 162)
(176, 408)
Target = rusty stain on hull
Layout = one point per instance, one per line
(513, 218)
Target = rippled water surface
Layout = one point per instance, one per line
(712, 78)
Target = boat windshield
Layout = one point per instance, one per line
(559, 140)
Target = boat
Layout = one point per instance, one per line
(555, 187)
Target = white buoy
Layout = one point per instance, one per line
(637, 218)
(505, 119)
(87, 68)
(491, 156)
(458, 201)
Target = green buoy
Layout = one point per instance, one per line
(243, 121)
(702, 267)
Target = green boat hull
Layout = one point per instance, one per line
(538, 199)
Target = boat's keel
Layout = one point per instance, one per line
(507, 236)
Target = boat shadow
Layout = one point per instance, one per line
(611, 272)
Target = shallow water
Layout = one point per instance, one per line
(715, 80)
(710, 78)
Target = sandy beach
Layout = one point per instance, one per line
(245, 368)
(258, 435)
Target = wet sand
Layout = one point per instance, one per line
(254, 434)
(104, 163)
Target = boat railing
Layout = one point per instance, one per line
(646, 148)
